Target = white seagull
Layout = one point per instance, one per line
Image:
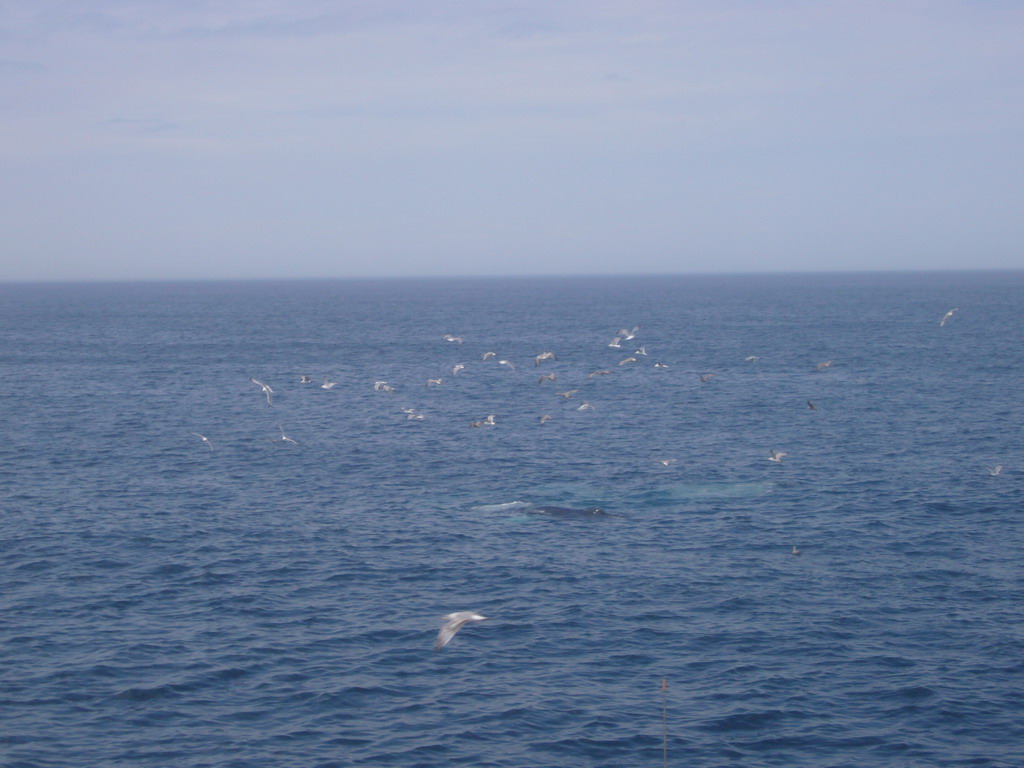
(991, 470)
(205, 439)
(305, 379)
(266, 390)
(457, 367)
(327, 383)
(776, 456)
(453, 622)
(544, 356)
(456, 339)
(284, 438)
(946, 316)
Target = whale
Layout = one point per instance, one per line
(567, 511)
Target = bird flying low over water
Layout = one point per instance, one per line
(266, 390)
(812, 406)
(752, 359)
(453, 622)
(666, 462)
(328, 384)
(305, 379)
(457, 367)
(821, 366)
(205, 439)
(547, 377)
(946, 316)
(545, 418)
(432, 381)
(488, 355)
(991, 470)
(604, 372)
(456, 339)
(776, 456)
(284, 438)
(706, 377)
(544, 356)
(795, 552)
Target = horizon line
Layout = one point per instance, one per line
(501, 276)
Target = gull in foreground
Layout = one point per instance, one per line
(206, 440)
(453, 622)
(328, 384)
(795, 552)
(266, 390)
(457, 367)
(776, 456)
(284, 438)
(991, 470)
(946, 316)
(544, 356)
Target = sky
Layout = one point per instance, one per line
(264, 139)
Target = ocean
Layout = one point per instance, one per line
(257, 602)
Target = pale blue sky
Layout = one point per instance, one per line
(151, 139)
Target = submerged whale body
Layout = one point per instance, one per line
(568, 512)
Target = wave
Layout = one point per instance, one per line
(507, 507)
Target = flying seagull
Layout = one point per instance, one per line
(826, 364)
(328, 384)
(284, 438)
(991, 470)
(946, 316)
(544, 356)
(206, 440)
(812, 406)
(453, 622)
(266, 390)
(795, 552)
(776, 456)
(456, 339)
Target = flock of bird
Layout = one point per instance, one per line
(453, 622)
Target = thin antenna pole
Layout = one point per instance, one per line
(664, 721)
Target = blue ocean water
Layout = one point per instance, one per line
(258, 602)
